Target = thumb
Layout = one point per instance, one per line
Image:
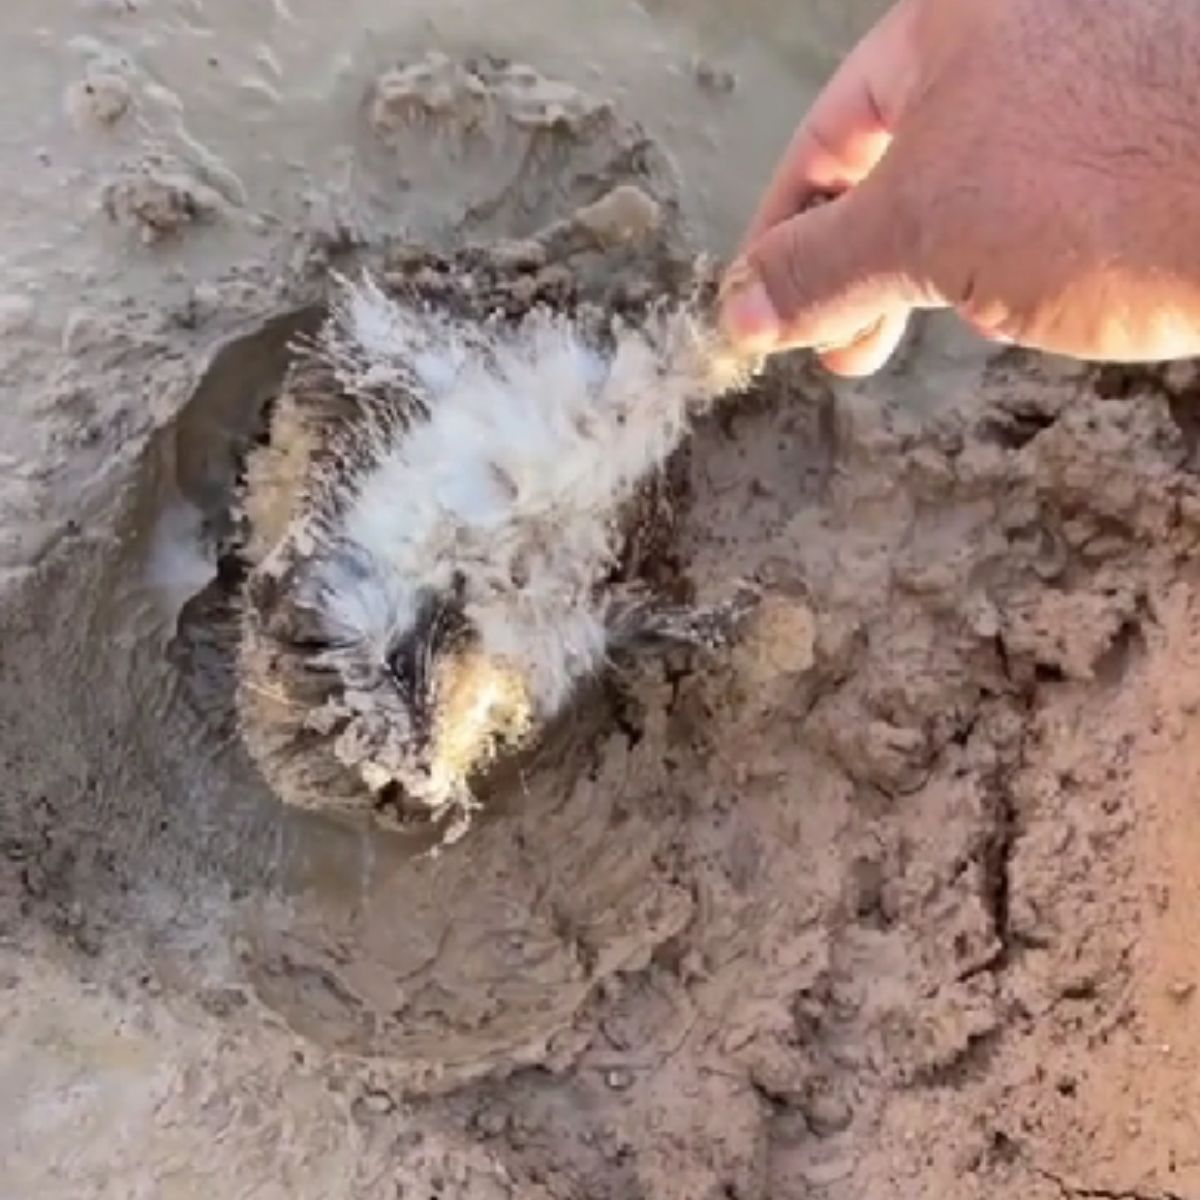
(834, 278)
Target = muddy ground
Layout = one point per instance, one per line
(896, 900)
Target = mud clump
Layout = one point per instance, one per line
(99, 100)
(495, 149)
(158, 199)
(476, 96)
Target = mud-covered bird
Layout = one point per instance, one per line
(438, 526)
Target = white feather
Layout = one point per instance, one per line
(533, 440)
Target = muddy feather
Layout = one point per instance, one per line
(449, 524)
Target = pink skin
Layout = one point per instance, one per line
(1032, 164)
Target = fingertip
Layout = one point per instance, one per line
(748, 315)
(871, 351)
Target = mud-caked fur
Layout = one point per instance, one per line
(439, 528)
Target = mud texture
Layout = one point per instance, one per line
(898, 900)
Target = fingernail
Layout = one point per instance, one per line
(747, 314)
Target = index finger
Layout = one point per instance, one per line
(850, 125)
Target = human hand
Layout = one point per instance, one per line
(1032, 164)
